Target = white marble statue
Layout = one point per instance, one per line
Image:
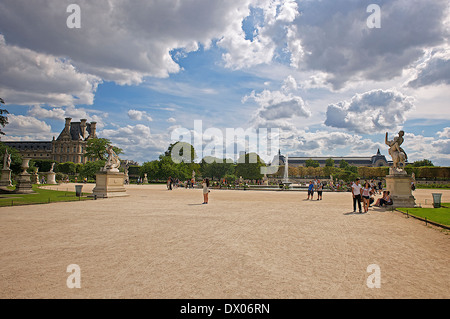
(397, 153)
(51, 169)
(7, 160)
(113, 162)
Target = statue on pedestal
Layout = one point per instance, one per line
(6, 171)
(109, 182)
(113, 162)
(397, 153)
(398, 182)
(51, 176)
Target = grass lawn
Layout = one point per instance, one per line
(437, 215)
(42, 196)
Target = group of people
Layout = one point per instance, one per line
(315, 186)
(172, 183)
(365, 194)
(360, 193)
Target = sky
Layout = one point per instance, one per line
(333, 76)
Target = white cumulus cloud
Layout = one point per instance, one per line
(371, 112)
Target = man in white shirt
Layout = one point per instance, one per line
(356, 192)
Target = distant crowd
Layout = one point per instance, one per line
(363, 194)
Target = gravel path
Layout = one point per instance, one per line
(243, 244)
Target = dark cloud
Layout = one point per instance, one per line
(119, 40)
(436, 71)
(335, 38)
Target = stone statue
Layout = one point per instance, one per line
(113, 162)
(397, 153)
(51, 168)
(7, 160)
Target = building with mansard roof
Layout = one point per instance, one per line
(377, 160)
(70, 146)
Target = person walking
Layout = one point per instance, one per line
(310, 190)
(356, 193)
(365, 193)
(319, 190)
(205, 185)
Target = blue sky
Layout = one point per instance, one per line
(314, 69)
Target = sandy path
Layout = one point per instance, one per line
(161, 244)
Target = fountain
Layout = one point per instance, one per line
(286, 183)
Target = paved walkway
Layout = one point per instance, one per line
(243, 244)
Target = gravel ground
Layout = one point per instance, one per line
(244, 244)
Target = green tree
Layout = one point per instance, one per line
(44, 165)
(329, 170)
(3, 118)
(329, 162)
(152, 169)
(346, 175)
(423, 163)
(311, 163)
(230, 178)
(68, 168)
(343, 164)
(249, 167)
(182, 152)
(89, 169)
(216, 168)
(96, 148)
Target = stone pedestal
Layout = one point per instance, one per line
(109, 184)
(399, 184)
(51, 178)
(6, 178)
(24, 185)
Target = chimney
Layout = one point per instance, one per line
(67, 128)
(83, 128)
(93, 130)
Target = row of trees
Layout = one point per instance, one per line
(248, 166)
